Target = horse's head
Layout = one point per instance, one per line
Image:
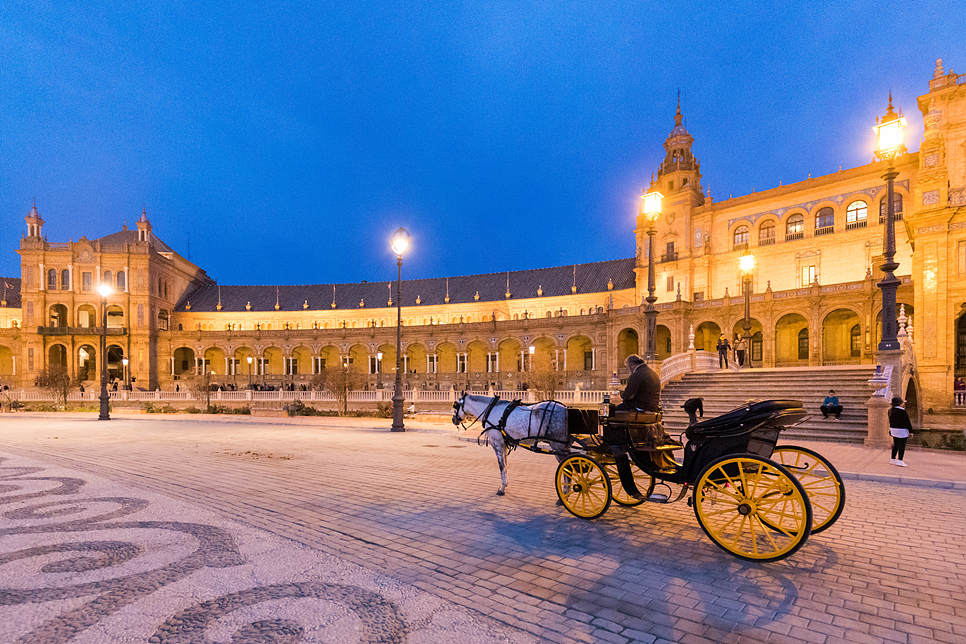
(458, 412)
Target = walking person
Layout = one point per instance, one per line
(723, 348)
(899, 427)
(831, 405)
(740, 351)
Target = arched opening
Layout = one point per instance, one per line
(753, 350)
(214, 361)
(121, 281)
(184, 362)
(57, 356)
(115, 364)
(87, 317)
(627, 344)
(706, 336)
(87, 363)
(416, 358)
(58, 316)
(912, 401)
(6, 361)
(301, 361)
(446, 354)
(580, 354)
(476, 358)
(115, 317)
(663, 342)
(510, 355)
(52, 280)
(65, 280)
(244, 370)
(837, 337)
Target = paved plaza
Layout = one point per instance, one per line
(186, 529)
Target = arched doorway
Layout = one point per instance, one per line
(791, 340)
(706, 336)
(838, 334)
(663, 348)
(753, 351)
(960, 368)
(57, 356)
(184, 362)
(627, 344)
(6, 361)
(87, 316)
(115, 365)
(87, 363)
(58, 316)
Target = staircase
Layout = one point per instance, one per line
(724, 390)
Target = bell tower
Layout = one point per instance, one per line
(679, 171)
(144, 227)
(35, 225)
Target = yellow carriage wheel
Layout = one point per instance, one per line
(583, 487)
(752, 507)
(643, 481)
(822, 483)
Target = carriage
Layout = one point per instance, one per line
(755, 499)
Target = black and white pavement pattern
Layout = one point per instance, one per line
(85, 560)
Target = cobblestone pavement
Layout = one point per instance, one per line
(420, 509)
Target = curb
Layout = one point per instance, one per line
(904, 480)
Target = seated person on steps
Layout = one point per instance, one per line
(831, 405)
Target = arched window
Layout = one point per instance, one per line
(65, 280)
(856, 341)
(824, 221)
(52, 280)
(121, 281)
(741, 237)
(108, 279)
(160, 292)
(766, 233)
(795, 227)
(162, 320)
(856, 215)
(897, 200)
(803, 344)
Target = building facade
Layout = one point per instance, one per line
(817, 245)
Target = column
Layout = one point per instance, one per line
(43, 278)
(127, 279)
(556, 359)
(226, 365)
(565, 360)
(70, 273)
(593, 358)
(172, 365)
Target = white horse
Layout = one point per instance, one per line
(525, 425)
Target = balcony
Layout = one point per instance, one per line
(739, 247)
(824, 230)
(669, 257)
(852, 225)
(896, 217)
(80, 330)
(793, 236)
(767, 241)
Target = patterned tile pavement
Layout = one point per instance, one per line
(419, 510)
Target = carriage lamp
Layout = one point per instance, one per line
(603, 410)
(399, 244)
(105, 290)
(889, 146)
(650, 210)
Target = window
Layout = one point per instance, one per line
(856, 215)
(856, 341)
(87, 280)
(121, 281)
(588, 360)
(65, 280)
(162, 320)
(670, 185)
(670, 249)
(807, 276)
(670, 284)
(741, 237)
(431, 363)
(461, 363)
(795, 227)
(824, 221)
(766, 233)
(699, 296)
(160, 292)
(319, 364)
(667, 349)
(52, 280)
(803, 344)
(492, 362)
(756, 346)
(897, 200)
(374, 365)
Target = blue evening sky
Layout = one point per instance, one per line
(288, 140)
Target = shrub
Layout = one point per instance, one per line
(193, 410)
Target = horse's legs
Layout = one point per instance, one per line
(499, 446)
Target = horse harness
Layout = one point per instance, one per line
(500, 426)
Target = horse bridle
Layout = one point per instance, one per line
(458, 409)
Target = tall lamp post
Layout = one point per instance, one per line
(650, 210)
(127, 383)
(105, 414)
(747, 272)
(249, 361)
(889, 146)
(399, 244)
(379, 370)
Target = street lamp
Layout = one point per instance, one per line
(105, 414)
(650, 210)
(532, 350)
(379, 370)
(399, 244)
(249, 360)
(127, 384)
(747, 272)
(889, 146)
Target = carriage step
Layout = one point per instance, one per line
(657, 498)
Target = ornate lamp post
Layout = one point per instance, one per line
(399, 244)
(105, 414)
(889, 146)
(747, 272)
(127, 383)
(249, 360)
(650, 210)
(379, 370)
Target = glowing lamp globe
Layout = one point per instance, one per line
(651, 206)
(105, 290)
(400, 241)
(889, 133)
(747, 263)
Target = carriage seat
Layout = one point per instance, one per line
(737, 419)
(636, 417)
